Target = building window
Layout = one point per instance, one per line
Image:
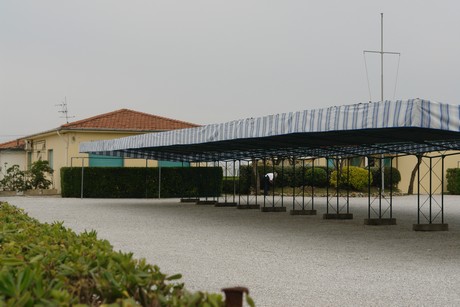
(173, 164)
(50, 158)
(105, 161)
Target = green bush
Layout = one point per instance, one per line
(230, 185)
(358, 178)
(136, 182)
(287, 176)
(316, 177)
(50, 265)
(14, 180)
(391, 175)
(35, 178)
(453, 180)
(37, 175)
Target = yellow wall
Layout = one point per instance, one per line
(406, 165)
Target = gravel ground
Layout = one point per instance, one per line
(284, 260)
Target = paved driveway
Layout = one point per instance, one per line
(284, 260)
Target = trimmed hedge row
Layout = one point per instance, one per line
(50, 265)
(136, 182)
(307, 176)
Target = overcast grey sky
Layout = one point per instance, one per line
(209, 61)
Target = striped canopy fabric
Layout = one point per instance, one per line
(391, 127)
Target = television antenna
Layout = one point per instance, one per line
(64, 110)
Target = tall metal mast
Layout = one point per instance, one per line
(381, 52)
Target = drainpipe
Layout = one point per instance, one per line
(66, 147)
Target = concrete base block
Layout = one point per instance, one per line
(338, 216)
(229, 204)
(248, 207)
(377, 222)
(189, 200)
(273, 209)
(207, 202)
(430, 227)
(302, 212)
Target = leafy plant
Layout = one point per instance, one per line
(352, 177)
(316, 176)
(37, 175)
(14, 180)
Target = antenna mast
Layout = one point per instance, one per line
(64, 110)
(381, 52)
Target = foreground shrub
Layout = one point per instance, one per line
(358, 178)
(50, 265)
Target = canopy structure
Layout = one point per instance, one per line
(412, 126)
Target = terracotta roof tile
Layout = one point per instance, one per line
(16, 144)
(126, 119)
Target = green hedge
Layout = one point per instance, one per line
(50, 265)
(136, 182)
(287, 176)
(388, 173)
(453, 180)
(356, 178)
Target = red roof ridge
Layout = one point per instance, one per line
(82, 122)
(14, 144)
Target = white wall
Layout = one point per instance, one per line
(12, 157)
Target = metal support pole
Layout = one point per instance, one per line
(146, 181)
(274, 182)
(257, 176)
(265, 181)
(225, 175)
(348, 186)
(339, 175)
(431, 188)
(234, 182)
(312, 183)
(239, 183)
(327, 185)
(418, 191)
(159, 180)
(391, 188)
(303, 184)
(282, 186)
(381, 187)
(82, 176)
(368, 191)
(294, 183)
(442, 189)
(249, 183)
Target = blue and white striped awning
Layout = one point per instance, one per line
(390, 127)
